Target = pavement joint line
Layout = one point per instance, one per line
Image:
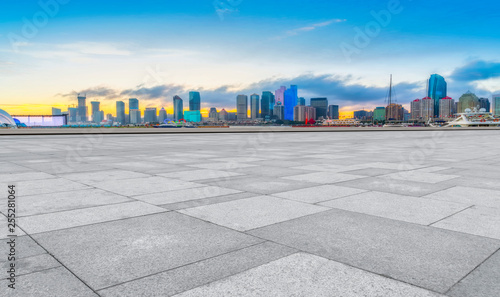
(187, 264)
(449, 216)
(474, 269)
(37, 271)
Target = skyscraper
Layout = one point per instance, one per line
(150, 115)
(133, 103)
(291, 99)
(416, 109)
(194, 101)
(82, 108)
(267, 104)
(427, 109)
(495, 101)
(242, 107)
(95, 109)
(484, 103)
(446, 107)
(120, 112)
(162, 116)
(301, 101)
(73, 114)
(321, 105)
(280, 96)
(333, 112)
(178, 108)
(254, 106)
(135, 116)
(437, 89)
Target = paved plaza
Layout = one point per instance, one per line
(408, 213)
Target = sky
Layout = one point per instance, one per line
(152, 50)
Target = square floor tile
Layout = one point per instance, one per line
(111, 253)
(419, 176)
(185, 195)
(389, 185)
(261, 185)
(148, 185)
(319, 193)
(467, 195)
(251, 213)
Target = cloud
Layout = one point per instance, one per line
(336, 88)
(309, 28)
(476, 70)
(96, 48)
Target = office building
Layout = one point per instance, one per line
(267, 104)
(437, 89)
(95, 108)
(135, 116)
(495, 101)
(446, 107)
(56, 111)
(416, 109)
(73, 114)
(98, 116)
(279, 111)
(291, 99)
(193, 116)
(178, 108)
(254, 106)
(484, 103)
(379, 114)
(467, 101)
(194, 101)
(150, 115)
(133, 103)
(321, 105)
(242, 107)
(301, 101)
(120, 112)
(223, 115)
(280, 96)
(304, 113)
(333, 112)
(82, 109)
(162, 115)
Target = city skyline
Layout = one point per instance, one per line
(155, 50)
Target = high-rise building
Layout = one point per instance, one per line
(223, 115)
(133, 103)
(56, 111)
(280, 96)
(98, 116)
(194, 101)
(150, 115)
(162, 115)
(254, 106)
(213, 115)
(135, 116)
(427, 108)
(379, 114)
(120, 112)
(467, 101)
(82, 108)
(291, 99)
(321, 105)
(279, 111)
(178, 108)
(484, 103)
(301, 101)
(333, 112)
(192, 116)
(73, 114)
(495, 101)
(416, 109)
(267, 104)
(437, 90)
(96, 107)
(394, 112)
(232, 116)
(304, 113)
(242, 107)
(446, 107)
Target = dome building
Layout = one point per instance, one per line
(467, 101)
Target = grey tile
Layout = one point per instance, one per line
(201, 174)
(99, 176)
(185, 195)
(476, 220)
(15, 177)
(8, 228)
(37, 187)
(25, 247)
(420, 176)
(468, 195)
(221, 165)
(319, 193)
(125, 250)
(370, 171)
(86, 216)
(208, 201)
(30, 265)
(148, 185)
(323, 177)
(398, 207)
(482, 282)
(428, 257)
(200, 273)
(261, 185)
(251, 213)
(56, 282)
(307, 275)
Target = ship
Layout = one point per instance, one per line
(475, 118)
(172, 124)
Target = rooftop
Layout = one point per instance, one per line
(266, 214)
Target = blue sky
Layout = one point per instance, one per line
(157, 49)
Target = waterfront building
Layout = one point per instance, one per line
(467, 101)
(150, 115)
(280, 96)
(82, 108)
(427, 108)
(437, 89)
(321, 105)
(120, 112)
(242, 107)
(267, 104)
(291, 97)
(446, 107)
(379, 114)
(254, 106)
(301, 101)
(279, 111)
(213, 115)
(192, 116)
(56, 111)
(178, 108)
(135, 116)
(484, 103)
(194, 101)
(394, 112)
(223, 115)
(162, 115)
(495, 101)
(304, 113)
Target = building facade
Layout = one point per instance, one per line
(484, 103)
(394, 112)
(162, 115)
(280, 96)
(304, 113)
(192, 116)
(150, 115)
(279, 111)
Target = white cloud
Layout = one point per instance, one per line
(309, 28)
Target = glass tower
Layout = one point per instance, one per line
(291, 99)
(267, 104)
(82, 108)
(436, 90)
(194, 101)
(178, 109)
(321, 105)
(120, 112)
(496, 104)
(254, 106)
(333, 112)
